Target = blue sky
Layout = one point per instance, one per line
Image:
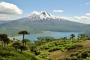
(63, 8)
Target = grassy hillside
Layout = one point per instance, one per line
(65, 50)
(55, 50)
(15, 50)
(9, 53)
(45, 48)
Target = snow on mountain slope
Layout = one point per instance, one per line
(43, 15)
(41, 21)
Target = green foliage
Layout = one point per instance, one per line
(23, 33)
(80, 55)
(44, 40)
(10, 54)
(73, 46)
(43, 47)
(16, 45)
(5, 40)
(23, 48)
(58, 45)
(82, 36)
(72, 36)
(46, 48)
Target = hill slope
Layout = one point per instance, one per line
(60, 54)
(10, 53)
(38, 22)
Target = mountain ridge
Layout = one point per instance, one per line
(40, 21)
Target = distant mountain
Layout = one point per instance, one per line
(3, 21)
(39, 22)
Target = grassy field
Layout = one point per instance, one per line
(58, 49)
(59, 54)
(45, 48)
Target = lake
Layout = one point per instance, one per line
(34, 37)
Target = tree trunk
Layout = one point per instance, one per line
(23, 40)
(25, 43)
(72, 40)
(21, 50)
(4, 44)
(7, 44)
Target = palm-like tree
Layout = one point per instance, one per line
(72, 36)
(82, 36)
(23, 33)
(65, 38)
(16, 45)
(6, 41)
(25, 41)
(22, 48)
(3, 38)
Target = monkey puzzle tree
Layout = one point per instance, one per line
(6, 41)
(23, 33)
(22, 48)
(26, 41)
(16, 45)
(3, 38)
(72, 36)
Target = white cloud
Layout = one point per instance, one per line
(58, 11)
(88, 14)
(35, 12)
(4, 17)
(8, 8)
(8, 17)
(80, 19)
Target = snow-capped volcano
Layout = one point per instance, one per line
(43, 15)
(39, 22)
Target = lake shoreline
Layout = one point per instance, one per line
(34, 37)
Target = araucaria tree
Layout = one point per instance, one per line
(22, 48)
(23, 33)
(72, 36)
(82, 36)
(4, 38)
(26, 41)
(6, 41)
(16, 45)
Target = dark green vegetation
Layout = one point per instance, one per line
(80, 55)
(15, 50)
(49, 48)
(45, 48)
(9, 53)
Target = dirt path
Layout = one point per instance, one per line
(59, 54)
(85, 43)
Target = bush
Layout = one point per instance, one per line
(8, 53)
(81, 55)
(73, 46)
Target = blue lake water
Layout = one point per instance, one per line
(34, 37)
